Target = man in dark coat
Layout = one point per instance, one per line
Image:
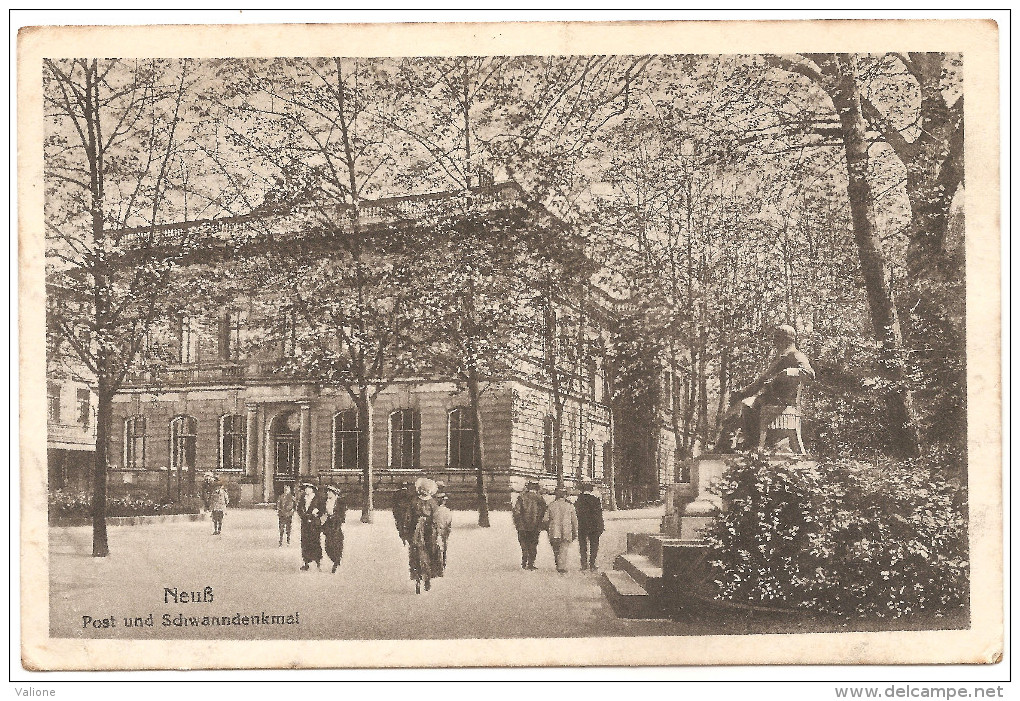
(310, 513)
(529, 513)
(590, 526)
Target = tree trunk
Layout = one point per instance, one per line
(365, 441)
(478, 450)
(702, 425)
(104, 421)
(558, 437)
(899, 400)
(611, 477)
(724, 379)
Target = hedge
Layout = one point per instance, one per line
(840, 536)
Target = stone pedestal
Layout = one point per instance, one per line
(661, 574)
(706, 470)
(690, 505)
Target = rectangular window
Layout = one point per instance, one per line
(53, 402)
(591, 459)
(288, 332)
(134, 443)
(84, 407)
(187, 340)
(405, 439)
(346, 433)
(231, 324)
(232, 438)
(461, 439)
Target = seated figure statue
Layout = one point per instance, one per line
(776, 392)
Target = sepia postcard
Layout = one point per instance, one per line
(510, 344)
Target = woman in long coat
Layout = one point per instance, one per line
(310, 513)
(424, 552)
(332, 527)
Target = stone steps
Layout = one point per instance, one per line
(650, 580)
(628, 598)
(641, 569)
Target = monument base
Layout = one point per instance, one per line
(662, 574)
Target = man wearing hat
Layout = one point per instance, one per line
(332, 527)
(561, 522)
(777, 386)
(528, 513)
(285, 505)
(218, 501)
(309, 512)
(590, 525)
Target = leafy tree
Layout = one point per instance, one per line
(116, 135)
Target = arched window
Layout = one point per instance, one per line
(134, 443)
(232, 442)
(460, 439)
(346, 433)
(405, 439)
(548, 459)
(591, 459)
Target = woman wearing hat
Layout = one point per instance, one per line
(332, 526)
(309, 512)
(424, 554)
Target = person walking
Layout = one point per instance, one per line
(309, 512)
(444, 522)
(332, 525)
(561, 522)
(285, 504)
(218, 501)
(425, 560)
(590, 525)
(402, 501)
(528, 514)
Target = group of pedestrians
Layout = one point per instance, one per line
(563, 521)
(424, 522)
(321, 514)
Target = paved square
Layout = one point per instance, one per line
(484, 594)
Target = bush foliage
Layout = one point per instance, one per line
(840, 536)
(77, 506)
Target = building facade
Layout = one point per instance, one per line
(223, 408)
(70, 426)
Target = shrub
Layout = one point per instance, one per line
(841, 536)
(77, 506)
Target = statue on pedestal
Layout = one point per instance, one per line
(772, 402)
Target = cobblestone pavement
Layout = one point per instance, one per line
(484, 594)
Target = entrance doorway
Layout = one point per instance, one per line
(284, 435)
(181, 478)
